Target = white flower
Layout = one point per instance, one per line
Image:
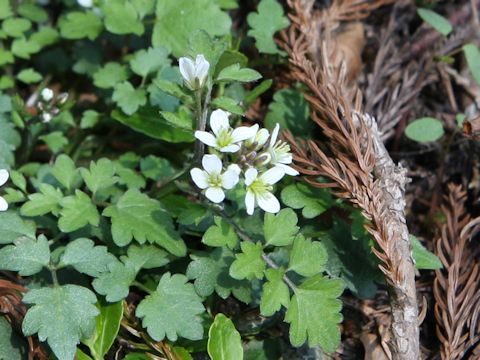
(259, 189)
(85, 3)
(280, 153)
(3, 179)
(225, 139)
(258, 139)
(47, 94)
(46, 117)
(194, 73)
(212, 178)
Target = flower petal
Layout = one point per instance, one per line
(219, 121)
(230, 148)
(250, 202)
(288, 170)
(215, 194)
(254, 136)
(235, 168)
(273, 175)
(273, 138)
(187, 69)
(250, 176)
(3, 176)
(212, 164)
(206, 138)
(243, 133)
(199, 177)
(201, 68)
(229, 179)
(261, 137)
(268, 202)
(3, 204)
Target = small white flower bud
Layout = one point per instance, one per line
(47, 94)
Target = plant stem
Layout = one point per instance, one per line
(201, 125)
(142, 287)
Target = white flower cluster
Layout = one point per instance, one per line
(256, 154)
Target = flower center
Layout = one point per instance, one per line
(258, 187)
(224, 137)
(280, 151)
(214, 180)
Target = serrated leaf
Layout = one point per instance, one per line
(314, 313)
(109, 75)
(106, 329)
(224, 341)
(6, 57)
(32, 12)
(73, 311)
(129, 177)
(220, 234)
(23, 48)
(148, 61)
(27, 256)
(178, 19)
(79, 25)
(211, 273)
(200, 42)
(87, 258)
(45, 36)
(172, 310)
(437, 21)
(424, 259)
(136, 216)
(307, 257)
(90, 118)
(12, 226)
(275, 292)
(147, 256)
(425, 130)
(248, 264)
(265, 24)
(156, 168)
(55, 141)
(472, 54)
(47, 200)
(313, 202)
(280, 229)
(115, 283)
(350, 257)
(121, 18)
(66, 173)
(148, 122)
(128, 98)
(235, 73)
(77, 211)
(100, 175)
(290, 109)
(5, 9)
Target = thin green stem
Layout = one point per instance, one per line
(142, 287)
(199, 146)
(53, 272)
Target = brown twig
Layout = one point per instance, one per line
(356, 160)
(457, 287)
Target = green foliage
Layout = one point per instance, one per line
(77, 211)
(172, 310)
(79, 25)
(235, 73)
(71, 307)
(177, 19)
(264, 24)
(100, 175)
(313, 202)
(121, 18)
(425, 130)
(220, 234)
(307, 257)
(472, 54)
(314, 313)
(437, 21)
(29, 76)
(12, 226)
(280, 229)
(424, 259)
(115, 282)
(275, 292)
(66, 172)
(55, 141)
(149, 61)
(249, 264)
(128, 98)
(43, 202)
(106, 329)
(136, 216)
(224, 341)
(27, 256)
(87, 258)
(109, 75)
(11, 345)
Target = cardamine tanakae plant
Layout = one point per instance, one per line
(154, 210)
